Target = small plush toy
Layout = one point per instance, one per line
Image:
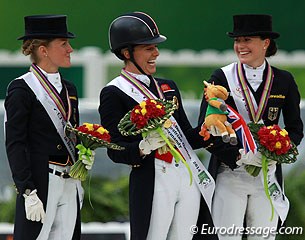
(216, 114)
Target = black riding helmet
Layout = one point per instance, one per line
(132, 29)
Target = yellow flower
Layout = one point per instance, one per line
(153, 101)
(137, 111)
(143, 111)
(284, 133)
(273, 132)
(278, 145)
(102, 130)
(89, 126)
(159, 106)
(143, 104)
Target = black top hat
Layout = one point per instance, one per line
(253, 25)
(46, 26)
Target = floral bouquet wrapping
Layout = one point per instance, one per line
(152, 114)
(92, 136)
(274, 144)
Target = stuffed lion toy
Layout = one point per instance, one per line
(216, 114)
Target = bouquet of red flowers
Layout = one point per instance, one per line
(148, 115)
(152, 114)
(92, 136)
(274, 144)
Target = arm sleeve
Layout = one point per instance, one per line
(111, 111)
(18, 108)
(291, 113)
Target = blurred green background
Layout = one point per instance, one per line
(194, 24)
(197, 25)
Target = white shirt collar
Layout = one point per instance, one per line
(255, 75)
(54, 79)
(261, 67)
(141, 77)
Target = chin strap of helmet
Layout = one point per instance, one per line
(130, 50)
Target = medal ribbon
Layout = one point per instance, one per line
(140, 86)
(51, 92)
(255, 114)
(203, 179)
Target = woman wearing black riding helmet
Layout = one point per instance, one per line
(163, 205)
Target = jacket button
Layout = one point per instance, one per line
(59, 147)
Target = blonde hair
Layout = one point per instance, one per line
(30, 47)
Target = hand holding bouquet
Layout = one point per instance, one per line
(274, 146)
(152, 115)
(252, 162)
(92, 136)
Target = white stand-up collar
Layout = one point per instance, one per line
(141, 77)
(255, 75)
(54, 79)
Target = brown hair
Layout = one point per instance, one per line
(272, 48)
(30, 46)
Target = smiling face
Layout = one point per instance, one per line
(56, 54)
(145, 56)
(251, 50)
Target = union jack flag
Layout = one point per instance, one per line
(242, 130)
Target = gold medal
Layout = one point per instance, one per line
(167, 123)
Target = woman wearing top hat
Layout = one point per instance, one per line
(238, 195)
(39, 104)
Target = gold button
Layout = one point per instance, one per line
(59, 147)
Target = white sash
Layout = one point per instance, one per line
(202, 177)
(278, 197)
(235, 89)
(52, 110)
(280, 201)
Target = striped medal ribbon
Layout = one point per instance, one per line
(255, 114)
(51, 92)
(140, 86)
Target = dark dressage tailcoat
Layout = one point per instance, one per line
(31, 140)
(284, 99)
(114, 104)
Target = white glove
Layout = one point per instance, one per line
(252, 159)
(165, 148)
(88, 161)
(33, 207)
(214, 131)
(151, 142)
